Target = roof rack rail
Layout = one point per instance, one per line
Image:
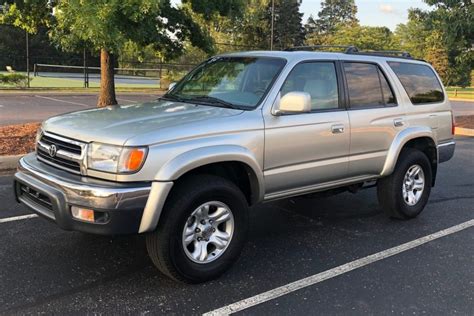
(351, 49)
(397, 53)
(347, 48)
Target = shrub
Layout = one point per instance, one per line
(15, 79)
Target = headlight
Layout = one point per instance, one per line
(115, 159)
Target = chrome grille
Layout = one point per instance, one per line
(61, 152)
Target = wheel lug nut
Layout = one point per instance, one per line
(213, 230)
(203, 222)
(197, 230)
(211, 221)
(199, 238)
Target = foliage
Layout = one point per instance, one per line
(28, 15)
(443, 36)
(334, 15)
(14, 79)
(288, 30)
(363, 37)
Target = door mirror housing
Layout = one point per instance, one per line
(171, 86)
(292, 103)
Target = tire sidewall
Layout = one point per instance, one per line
(411, 158)
(196, 272)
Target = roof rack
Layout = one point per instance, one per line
(396, 53)
(347, 49)
(351, 49)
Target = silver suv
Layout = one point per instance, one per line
(241, 129)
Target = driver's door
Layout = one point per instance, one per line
(308, 149)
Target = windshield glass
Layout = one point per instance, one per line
(235, 82)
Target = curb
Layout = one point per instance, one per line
(464, 131)
(8, 163)
(461, 99)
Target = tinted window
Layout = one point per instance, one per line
(319, 80)
(419, 81)
(367, 86)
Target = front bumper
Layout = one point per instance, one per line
(50, 193)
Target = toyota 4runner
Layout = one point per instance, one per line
(241, 129)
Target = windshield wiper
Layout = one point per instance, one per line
(173, 97)
(213, 100)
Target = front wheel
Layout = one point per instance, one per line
(202, 230)
(405, 192)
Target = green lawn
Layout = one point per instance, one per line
(49, 82)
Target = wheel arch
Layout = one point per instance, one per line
(232, 162)
(420, 138)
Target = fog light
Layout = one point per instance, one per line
(83, 214)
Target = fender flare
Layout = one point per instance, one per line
(187, 161)
(399, 141)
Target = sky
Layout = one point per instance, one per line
(387, 13)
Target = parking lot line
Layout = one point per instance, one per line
(17, 218)
(328, 274)
(63, 101)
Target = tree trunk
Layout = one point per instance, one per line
(107, 83)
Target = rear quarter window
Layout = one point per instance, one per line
(420, 82)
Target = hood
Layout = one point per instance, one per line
(116, 124)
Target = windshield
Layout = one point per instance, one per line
(235, 82)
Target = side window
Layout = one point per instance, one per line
(319, 80)
(419, 81)
(367, 86)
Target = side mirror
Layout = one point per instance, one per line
(292, 103)
(171, 86)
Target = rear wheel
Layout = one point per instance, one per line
(405, 192)
(202, 230)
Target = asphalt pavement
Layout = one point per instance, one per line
(44, 270)
(25, 108)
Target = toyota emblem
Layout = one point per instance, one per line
(52, 150)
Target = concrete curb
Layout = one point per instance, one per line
(8, 163)
(464, 131)
(461, 99)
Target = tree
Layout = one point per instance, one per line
(334, 13)
(107, 25)
(288, 29)
(363, 37)
(454, 19)
(411, 37)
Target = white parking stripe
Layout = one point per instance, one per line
(63, 101)
(320, 277)
(17, 218)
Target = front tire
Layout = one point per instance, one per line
(202, 230)
(405, 192)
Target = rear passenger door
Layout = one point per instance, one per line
(374, 116)
(306, 149)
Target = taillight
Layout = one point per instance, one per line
(453, 124)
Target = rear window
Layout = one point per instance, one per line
(419, 81)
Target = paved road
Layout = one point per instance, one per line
(46, 270)
(15, 109)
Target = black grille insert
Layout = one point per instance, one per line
(72, 148)
(35, 196)
(66, 163)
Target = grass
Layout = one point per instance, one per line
(461, 93)
(48, 82)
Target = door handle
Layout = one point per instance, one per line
(398, 122)
(337, 129)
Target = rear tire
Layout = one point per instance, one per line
(405, 192)
(184, 214)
